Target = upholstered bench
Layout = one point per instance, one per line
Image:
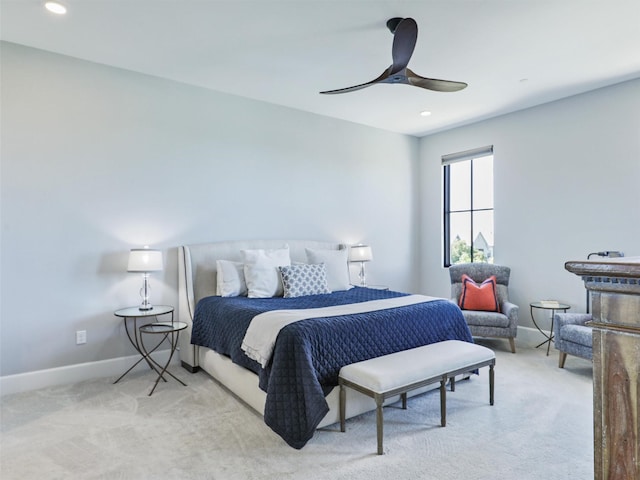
(400, 372)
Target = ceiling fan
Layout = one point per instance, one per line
(405, 34)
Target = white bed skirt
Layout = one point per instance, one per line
(244, 384)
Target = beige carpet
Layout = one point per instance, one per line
(539, 428)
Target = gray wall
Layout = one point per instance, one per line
(98, 160)
(567, 177)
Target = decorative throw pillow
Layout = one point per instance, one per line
(336, 263)
(261, 271)
(479, 297)
(231, 282)
(304, 279)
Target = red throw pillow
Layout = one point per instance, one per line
(479, 297)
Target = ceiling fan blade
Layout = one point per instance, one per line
(381, 78)
(404, 42)
(433, 83)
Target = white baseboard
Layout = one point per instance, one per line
(114, 367)
(24, 382)
(527, 337)
(530, 336)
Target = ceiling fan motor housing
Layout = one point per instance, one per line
(392, 23)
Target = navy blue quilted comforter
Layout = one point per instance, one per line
(308, 354)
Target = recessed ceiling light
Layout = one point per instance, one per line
(56, 7)
(425, 113)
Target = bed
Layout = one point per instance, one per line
(289, 379)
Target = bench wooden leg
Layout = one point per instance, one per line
(443, 401)
(379, 421)
(452, 382)
(343, 400)
(491, 384)
(404, 400)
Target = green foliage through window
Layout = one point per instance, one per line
(461, 252)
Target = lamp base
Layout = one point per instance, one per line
(144, 293)
(362, 275)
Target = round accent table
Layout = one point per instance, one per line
(547, 305)
(169, 331)
(130, 317)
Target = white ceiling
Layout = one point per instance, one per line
(285, 52)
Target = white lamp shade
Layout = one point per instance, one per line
(360, 253)
(144, 260)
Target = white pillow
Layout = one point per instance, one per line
(261, 271)
(336, 262)
(231, 282)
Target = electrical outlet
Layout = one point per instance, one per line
(81, 337)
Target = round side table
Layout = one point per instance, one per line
(130, 317)
(170, 331)
(554, 307)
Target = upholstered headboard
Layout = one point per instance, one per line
(197, 276)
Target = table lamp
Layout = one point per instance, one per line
(145, 260)
(361, 253)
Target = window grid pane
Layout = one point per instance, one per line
(460, 237)
(483, 236)
(482, 183)
(460, 194)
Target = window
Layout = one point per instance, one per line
(468, 206)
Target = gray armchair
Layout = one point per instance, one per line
(572, 336)
(503, 324)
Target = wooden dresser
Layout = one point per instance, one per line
(615, 292)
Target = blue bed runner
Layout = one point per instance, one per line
(308, 354)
